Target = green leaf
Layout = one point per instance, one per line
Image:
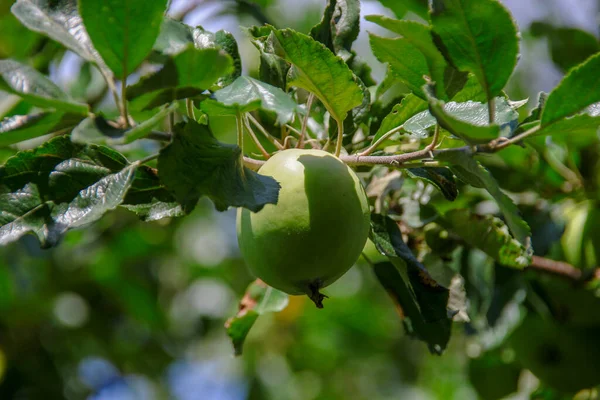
(578, 89)
(220, 40)
(420, 36)
(60, 185)
(441, 178)
(175, 36)
(259, 299)
(24, 127)
(488, 234)
(470, 171)
(247, 94)
(195, 164)
(478, 36)
(59, 20)
(407, 63)
(316, 69)
(187, 74)
(578, 130)
(410, 106)
(469, 121)
(97, 130)
(423, 302)
(568, 46)
(339, 26)
(471, 91)
(400, 8)
(123, 31)
(273, 69)
(35, 88)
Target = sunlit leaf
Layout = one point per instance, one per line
(24, 127)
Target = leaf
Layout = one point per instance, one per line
(35, 88)
(316, 69)
(60, 185)
(422, 301)
(97, 129)
(273, 69)
(489, 235)
(578, 130)
(94, 201)
(259, 299)
(441, 178)
(247, 94)
(478, 36)
(420, 36)
(339, 27)
(467, 120)
(400, 8)
(568, 46)
(24, 127)
(407, 63)
(220, 40)
(187, 74)
(195, 164)
(175, 36)
(470, 171)
(59, 20)
(123, 31)
(410, 106)
(578, 89)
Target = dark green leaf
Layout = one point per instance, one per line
(568, 46)
(23, 127)
(187, 74)
(492, 376)
(441, 178)
(316, 69)
(579, 89)
(478, 36)
(422, 300)
(471, 91)
(470, 171)
(97, 130)
(123, 31)
(60, 20)
(195, 164)
(421, 37)
(407, 63)
(248, 94)
(259, 299)
(34, 87)
(61, 184)
(489, 235)
(578, 130)
(339, 27)
(410, 106)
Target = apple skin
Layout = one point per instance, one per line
(317, 229)
(562, 356)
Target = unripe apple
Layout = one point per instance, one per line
(317, 229)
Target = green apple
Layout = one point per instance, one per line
(317, 229)
(565, 358)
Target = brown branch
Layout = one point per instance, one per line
(562, 269)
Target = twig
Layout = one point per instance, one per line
(264, 152)
(253, 163)
(262, 130)
(556, 267)
(340, 138)
(148, 159)
(160, 136)
(124, 112)
(382, 139)
(189, 105)
(309, 102)
(492, 109)
(240, 130)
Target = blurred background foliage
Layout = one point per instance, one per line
(133, 310)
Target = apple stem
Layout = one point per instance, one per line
(316, 296)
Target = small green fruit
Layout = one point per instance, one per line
(317, 229)
(563, 357)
